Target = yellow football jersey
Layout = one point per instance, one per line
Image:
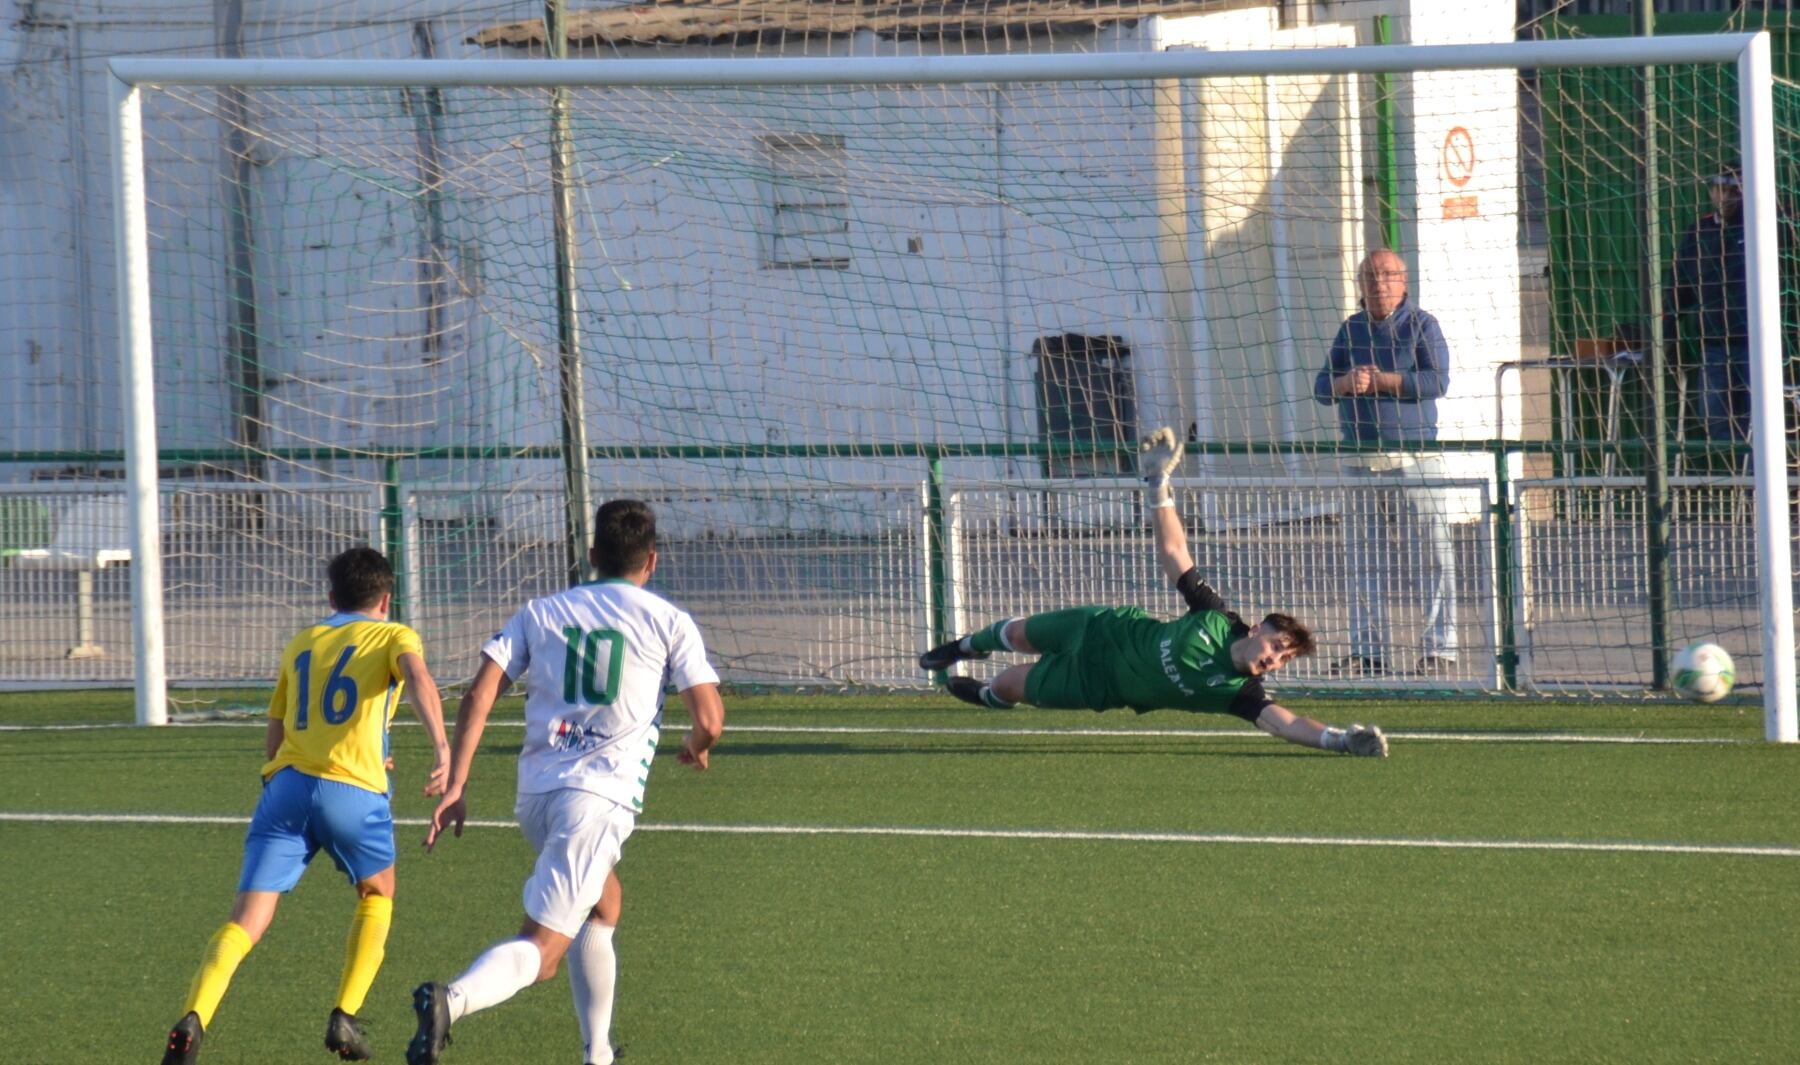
(340, 682)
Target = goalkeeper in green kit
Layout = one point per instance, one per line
(1098, 658)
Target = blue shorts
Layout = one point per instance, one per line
(299, 815)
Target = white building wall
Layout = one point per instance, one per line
(960, 261)
(42, 356)
(1273, 229)
(59, 378)
(1460, 211)
(930, 344)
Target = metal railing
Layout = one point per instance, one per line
(842, 584)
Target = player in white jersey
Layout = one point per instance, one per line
(594, 660)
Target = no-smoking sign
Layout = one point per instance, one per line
(1459, 156)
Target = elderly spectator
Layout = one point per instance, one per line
(1387, 369)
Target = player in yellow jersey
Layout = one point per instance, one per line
(325, 787)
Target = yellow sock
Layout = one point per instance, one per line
(223, 952)
(364, 951)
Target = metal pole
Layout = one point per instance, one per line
(242, 339)
(393, 542)
(1756, 129)
(936, 562)
(1287, 356)
(131, 237)
(568, 326)
(1656, 472)
(1387, 167)
(1506, 573)
(434, 265)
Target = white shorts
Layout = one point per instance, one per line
(578, 837)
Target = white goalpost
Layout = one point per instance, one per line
(876, 332)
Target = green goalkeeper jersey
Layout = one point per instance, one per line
(1183, 664)
(1097, 658)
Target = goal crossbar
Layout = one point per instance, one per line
(531, 73)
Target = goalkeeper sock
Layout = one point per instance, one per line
(363, 953)
(223, 953)
(1334, 739)
(503, 971)
(994, 701)
(987, 641)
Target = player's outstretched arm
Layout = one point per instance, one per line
(708, 713)
(1365, 740)
(428, 707)
(1171, 542)
(471, 720)
(1158, 457)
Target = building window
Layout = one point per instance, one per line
(809, 201)
(1086, 399)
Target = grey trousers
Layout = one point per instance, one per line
(1398, 544)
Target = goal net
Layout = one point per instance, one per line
(876, 339)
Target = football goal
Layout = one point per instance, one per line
(877, 336)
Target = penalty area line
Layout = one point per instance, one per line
(1035, 834)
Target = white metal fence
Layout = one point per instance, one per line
(65, 596)
(838, 585)
(791, 586)
(1583, 595)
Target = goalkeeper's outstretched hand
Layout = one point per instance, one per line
(1158, 455)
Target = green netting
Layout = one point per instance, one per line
(877, 351)
(1593, 160)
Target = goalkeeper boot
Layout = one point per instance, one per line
(974, 692)
(968, 689)
(345, 1038)
(184, 1041)
(945, 655)
(434, 1025)
(1366, 741)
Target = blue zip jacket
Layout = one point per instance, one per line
(1407, 342)
(1707, 278)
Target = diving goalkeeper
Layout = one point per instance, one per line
(1098, 658)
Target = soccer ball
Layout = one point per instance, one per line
(1703, 672)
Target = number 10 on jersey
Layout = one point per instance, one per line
(582, 665)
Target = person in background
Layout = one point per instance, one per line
(1387, 368)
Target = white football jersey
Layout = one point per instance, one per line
(595, 660)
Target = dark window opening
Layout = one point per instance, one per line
(1087, 405)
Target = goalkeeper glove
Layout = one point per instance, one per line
(1158, 456)
(1365, 740)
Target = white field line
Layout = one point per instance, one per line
(1059, 835)
(929, 730)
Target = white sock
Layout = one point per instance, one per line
(507, 968)
(593, 966)
(1004, 642)
(1334, 739)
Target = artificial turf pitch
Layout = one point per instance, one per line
(1142, 893)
